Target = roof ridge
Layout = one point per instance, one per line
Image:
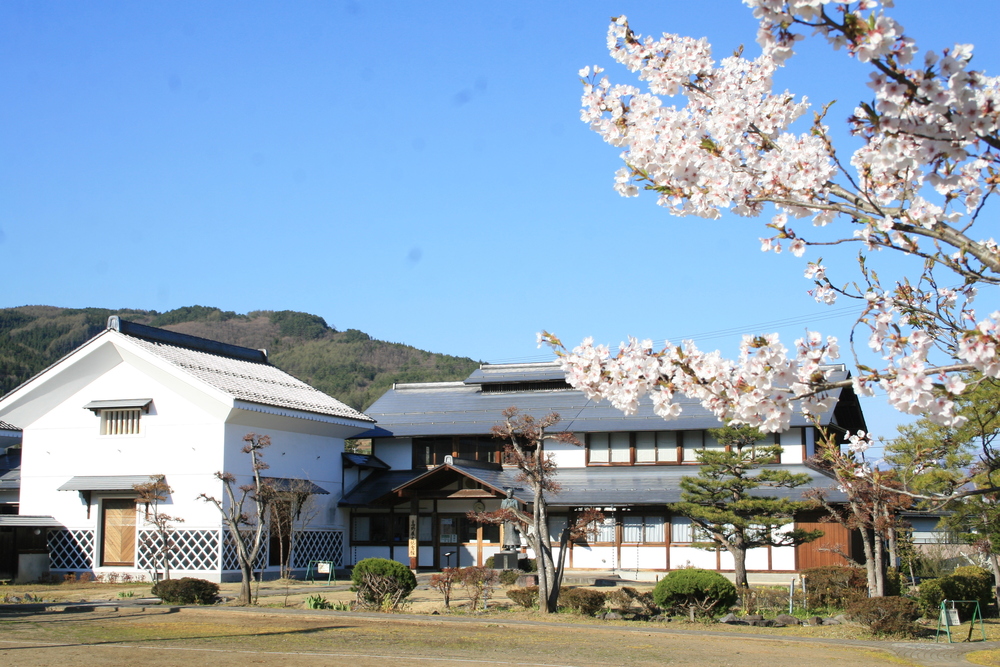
(187, 341)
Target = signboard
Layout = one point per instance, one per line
(323, 567)
(412, 546)
(949, 617)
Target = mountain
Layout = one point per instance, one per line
(349, 365)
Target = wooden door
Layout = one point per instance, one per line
(118, 530)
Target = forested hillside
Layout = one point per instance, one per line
(346, 364)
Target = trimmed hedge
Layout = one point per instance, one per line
(966, 583)
(834, 585)
(186, 590)
(394, 577)
(526, 597)
(892, 615)
(582, 600)
(704, 591)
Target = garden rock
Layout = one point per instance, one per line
(753, 617)
(612, 616)
(815, 620)
(831, 621)
(787, 619)
(728, 618)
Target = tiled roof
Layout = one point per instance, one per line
(4, 426)
(106, 482)
(617, 486)
(252, 382)
(454, 408)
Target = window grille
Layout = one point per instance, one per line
(120, 422)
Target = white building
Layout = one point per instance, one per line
(137, 402)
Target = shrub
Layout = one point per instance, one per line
(381, 583)
(527, 597)
(623, 598)
(582, 600)
(479, 583)
(967, 583)
(186, 590)
(317, 602)
(700, 591)
(895, 582)
(834, 585)
(886, 616)
(443, 583)
(509, 577)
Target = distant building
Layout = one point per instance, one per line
(438, 461)
(135, 403)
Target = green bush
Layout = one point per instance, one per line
(509, 577)
(967, 583)
(381, 583)
(707, 593)
(186, 590)
(582, 600)
(895, 582)
(526, 597)
(834, 586)
(887, 615)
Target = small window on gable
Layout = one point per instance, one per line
(120, 422)
(120, 417)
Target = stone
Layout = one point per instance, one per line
(612, 616)
(814, 620)
(787, 619)
(728, 618)
(831, 621)
(753, 617)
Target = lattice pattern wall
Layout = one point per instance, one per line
(190, 550)
(71, 549)
(318, 545)
(230, 559)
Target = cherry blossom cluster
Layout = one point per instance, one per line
(930, 157)
(763, 388)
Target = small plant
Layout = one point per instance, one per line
(623, 599)
(317, 602)
(87, 577)
(69, 578)
(886, 615)
(695, 592)
(509, 577)
(186, 590)
(126, 594)
(526, 597)
(479, 584)
(582, 600)
(443, 583)
(341, 606)
(382, 584)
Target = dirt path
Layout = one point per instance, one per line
(181, 637)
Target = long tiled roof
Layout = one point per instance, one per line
(616, 486)
(251, 381)
(457, 408)
(4, 426)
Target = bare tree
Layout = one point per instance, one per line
(525, 437)
(292, 508)
(248, 542)
(160, 546)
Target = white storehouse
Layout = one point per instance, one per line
(137, 402)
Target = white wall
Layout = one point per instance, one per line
(568, 455)
(178, 439)
(397, 453)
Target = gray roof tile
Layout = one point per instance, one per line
(252, 382)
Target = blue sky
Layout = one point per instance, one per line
(414, 170)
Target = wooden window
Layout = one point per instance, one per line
(656, 447)
(643, 529)
(120, 422)
(380, 529)
(118, 531)
(429, 452)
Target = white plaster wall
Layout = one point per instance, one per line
(598, 558)
(643, 557)
(361, 553)
(757, 559)
(568, 455)
(783, 558)
(396, 453)
(295, 455)
(685, 556)
(178, 439)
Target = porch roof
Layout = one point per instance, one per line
(612, 486)
(28, 521)
(107, 482)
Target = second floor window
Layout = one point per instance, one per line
(120, 422)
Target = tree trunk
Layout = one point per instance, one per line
(879, 566)
(246, 594)
(866, 540)
(739, 566)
